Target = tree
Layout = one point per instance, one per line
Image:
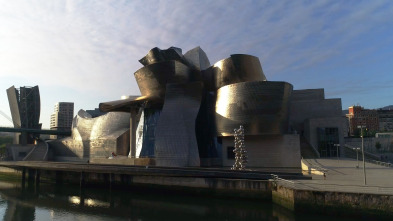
(378, 145)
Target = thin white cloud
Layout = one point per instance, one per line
(91, 48)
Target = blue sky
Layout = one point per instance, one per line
(87, 51)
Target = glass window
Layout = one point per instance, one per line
(327, 137)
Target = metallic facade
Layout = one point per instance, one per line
(156, 55)
(235, 69)
(176, 143)
(95, 137)
(125, 105)
(197, 58)
(194, 104)
(261, 107)
(152, 79)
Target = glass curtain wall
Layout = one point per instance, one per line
(327, 137)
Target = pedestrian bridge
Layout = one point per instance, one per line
(35, 131)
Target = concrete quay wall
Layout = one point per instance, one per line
(226, 187)
(223, 183)
(334, 203)
(237, 188)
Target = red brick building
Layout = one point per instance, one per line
(358, 116)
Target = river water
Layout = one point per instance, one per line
(67, 202)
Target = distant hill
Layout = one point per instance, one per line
(390, 107)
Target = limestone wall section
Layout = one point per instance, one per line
(311, 125)
(308, 94)
(267, 151)
(337, 203)
(302, 110)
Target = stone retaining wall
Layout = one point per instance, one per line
(334, 203)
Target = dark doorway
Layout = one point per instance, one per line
(327, 138)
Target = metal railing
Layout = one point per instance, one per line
(370, 155)
(382, 163)
(37, 131)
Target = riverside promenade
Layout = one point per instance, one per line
(341, 191)
(342, 175)
(251, 184)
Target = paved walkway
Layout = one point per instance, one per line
(343, 176)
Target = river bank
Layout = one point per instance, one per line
(247, 185)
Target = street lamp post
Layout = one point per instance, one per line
(364, 162)
(357, 156)
(337, 146)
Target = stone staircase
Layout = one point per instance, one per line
(38, 153)
(306, 150)
(349, 152)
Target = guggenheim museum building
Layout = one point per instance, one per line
(188, 110)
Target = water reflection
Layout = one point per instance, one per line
(51, 202)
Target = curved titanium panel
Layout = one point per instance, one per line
(235, 69)
(93, 128)
(124, 105)
(156, 55)
(261, 107)
(152, 79)
(175, 141)
(95, 137)
(197, 58)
